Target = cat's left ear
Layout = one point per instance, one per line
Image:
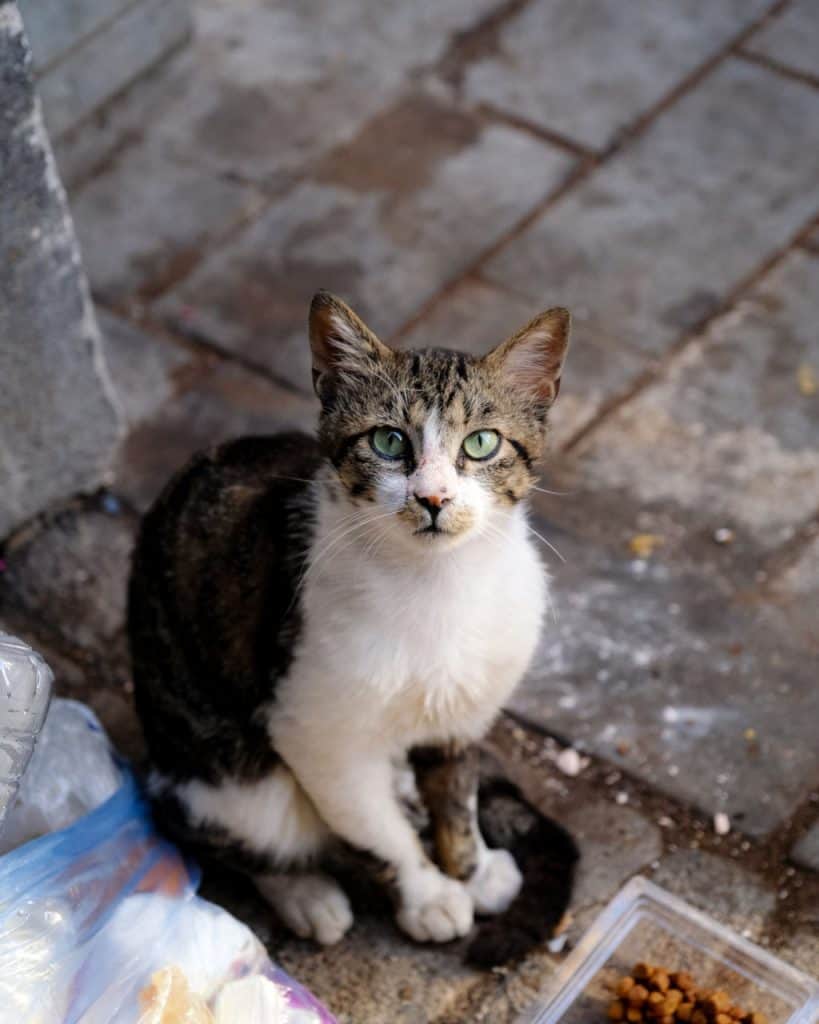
(531, 361)
(341, 342)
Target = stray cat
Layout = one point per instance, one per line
(305, 615)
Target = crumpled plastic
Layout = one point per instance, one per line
(73, 770)
(91, 913)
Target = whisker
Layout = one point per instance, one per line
(558, 494)
(546, 542)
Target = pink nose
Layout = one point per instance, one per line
(433, 500)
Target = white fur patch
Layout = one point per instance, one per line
(273, 816)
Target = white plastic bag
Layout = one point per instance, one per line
(72, 770)
(90, 914)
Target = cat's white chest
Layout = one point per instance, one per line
(411, 656)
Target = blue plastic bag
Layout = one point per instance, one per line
(90, 913)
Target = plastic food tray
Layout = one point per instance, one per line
(645, 923)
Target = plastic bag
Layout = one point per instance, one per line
(73, 770)
(90, 914)
(25, 690)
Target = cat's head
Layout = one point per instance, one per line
(441, 445)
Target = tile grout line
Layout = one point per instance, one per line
(653, 373)
(776, 67)
(584, 167)
(495, 115)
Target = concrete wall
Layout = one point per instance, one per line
(59, 421)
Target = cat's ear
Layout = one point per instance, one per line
(531, 361)
(341, 342)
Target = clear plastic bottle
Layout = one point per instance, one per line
(25, 691)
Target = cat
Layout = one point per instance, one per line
(305, 615)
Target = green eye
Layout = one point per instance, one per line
(482, 444)
(389, 442)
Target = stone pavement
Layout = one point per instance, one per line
(451, 169)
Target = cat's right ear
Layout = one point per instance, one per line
(342, 344)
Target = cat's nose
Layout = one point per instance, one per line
(433, 503)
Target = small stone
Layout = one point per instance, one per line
(570, 762)
(665, 822)
(621, 798)
(724, 535)
(722, 823)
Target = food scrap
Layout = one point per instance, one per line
(657, 994)
(806, 380)
(642, 545)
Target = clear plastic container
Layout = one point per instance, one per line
(645, 923)
(25, 692)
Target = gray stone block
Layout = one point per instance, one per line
(651, 243)
(384, 221)
(55, 26)
(58, 420)
(588, 70)
(792, 39)
(109, 60)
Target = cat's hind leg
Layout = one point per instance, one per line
(312, 905)
(447, 777)
(268, 829)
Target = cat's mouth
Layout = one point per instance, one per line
(431, 528)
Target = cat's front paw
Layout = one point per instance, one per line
(435, 908)
(496, 882)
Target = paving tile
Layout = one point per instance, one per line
(588, 70)
(271, 86)
(145, 221)
(722, 888)
(806, 851)
(142, 367)
(727, 431)
(383, 232)
(791, 39)
(698, 688)
(652, 241)
(214, 402)
(476, 316)
(109, 60)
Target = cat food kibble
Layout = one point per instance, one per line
(654, 994)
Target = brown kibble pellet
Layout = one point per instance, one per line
(661, 980)
(717, 1002)
(638, 995)
(657, 995)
